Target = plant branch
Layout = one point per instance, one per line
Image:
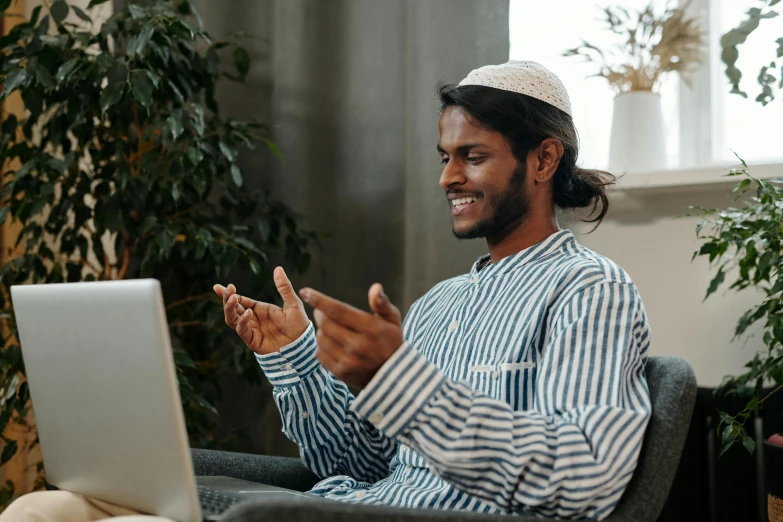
(188, 300)
(773, 392)
(176, 324)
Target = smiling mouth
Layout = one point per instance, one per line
(460, 205)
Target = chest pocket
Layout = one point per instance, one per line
(508, 382)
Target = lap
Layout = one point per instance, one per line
(64, 506)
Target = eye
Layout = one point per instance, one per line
(473, 160)
(444, 159)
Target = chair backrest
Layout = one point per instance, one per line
(673, 394)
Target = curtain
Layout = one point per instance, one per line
(348, 88)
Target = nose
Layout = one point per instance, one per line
(452, 175)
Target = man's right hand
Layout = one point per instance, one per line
(264, 327)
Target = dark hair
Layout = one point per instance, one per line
(525, 122)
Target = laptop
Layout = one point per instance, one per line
(104, 390)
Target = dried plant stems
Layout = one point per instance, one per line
(650, 45)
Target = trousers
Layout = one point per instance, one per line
(64, 506)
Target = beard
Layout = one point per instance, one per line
(510, 207)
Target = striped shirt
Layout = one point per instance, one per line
(520, 388)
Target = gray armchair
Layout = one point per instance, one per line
(673, 392)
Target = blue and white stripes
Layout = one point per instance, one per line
(520, 388)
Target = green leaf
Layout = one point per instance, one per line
(4, 213)
(4, 4)
(205, 404)
(81, 14)
(255, 267)
(742, 185)
(93, 3)
(725, 447)
(195, 155)
(139, 41)
(174, 123)
(44, 77)
(136, 11)
(14, 80)
(749, 444)
(142, 87)
(111, 95)
(716, 282)
(154, 77)
(236, 175)
(227, 151)
(8, 451)
(66, 69)
(150, 222)
(183, 360)
(275, 150)
(59, 11)
(241, 61)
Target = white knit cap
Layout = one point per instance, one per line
(524, 77)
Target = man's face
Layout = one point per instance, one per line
(484, 182)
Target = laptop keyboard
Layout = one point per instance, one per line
(216, 502)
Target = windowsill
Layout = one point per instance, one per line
(675, 180)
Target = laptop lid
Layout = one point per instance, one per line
(104, 391)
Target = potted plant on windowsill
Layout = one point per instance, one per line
(650, 45)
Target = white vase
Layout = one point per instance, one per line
(638, 136)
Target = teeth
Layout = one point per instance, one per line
(463, 201)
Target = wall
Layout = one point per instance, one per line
(643, 234)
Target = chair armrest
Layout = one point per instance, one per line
(335, 511)
(282, 472)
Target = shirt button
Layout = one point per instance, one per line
(304, 414)
(376, 418)
(474, 279)
(408, 468)
(361, 495)
(495, 374)
(453, 326)
(289, 367)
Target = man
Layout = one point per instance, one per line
(518, 387)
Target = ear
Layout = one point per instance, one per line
(546, 159)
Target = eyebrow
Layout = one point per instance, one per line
(462, 148)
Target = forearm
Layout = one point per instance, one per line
(316, 414)
(573, 464)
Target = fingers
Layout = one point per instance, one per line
(340, 334)
(230, 311)
(381, 305)
(335, 310)
(243, 327)
(285, 288)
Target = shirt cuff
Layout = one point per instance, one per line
(293, 362)
(399, 390)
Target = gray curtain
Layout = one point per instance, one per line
(349, 89)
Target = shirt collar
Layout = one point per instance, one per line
(540, 250)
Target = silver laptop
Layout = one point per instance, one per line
(106, 401)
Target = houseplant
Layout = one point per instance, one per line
(767, 368)
(746, 243)
(124, 168)
(650, 45)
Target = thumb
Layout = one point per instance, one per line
(382, 306)
(286, 289)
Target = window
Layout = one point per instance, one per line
(704, 122)
(744, 125)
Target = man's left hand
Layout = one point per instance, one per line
(353, 344)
